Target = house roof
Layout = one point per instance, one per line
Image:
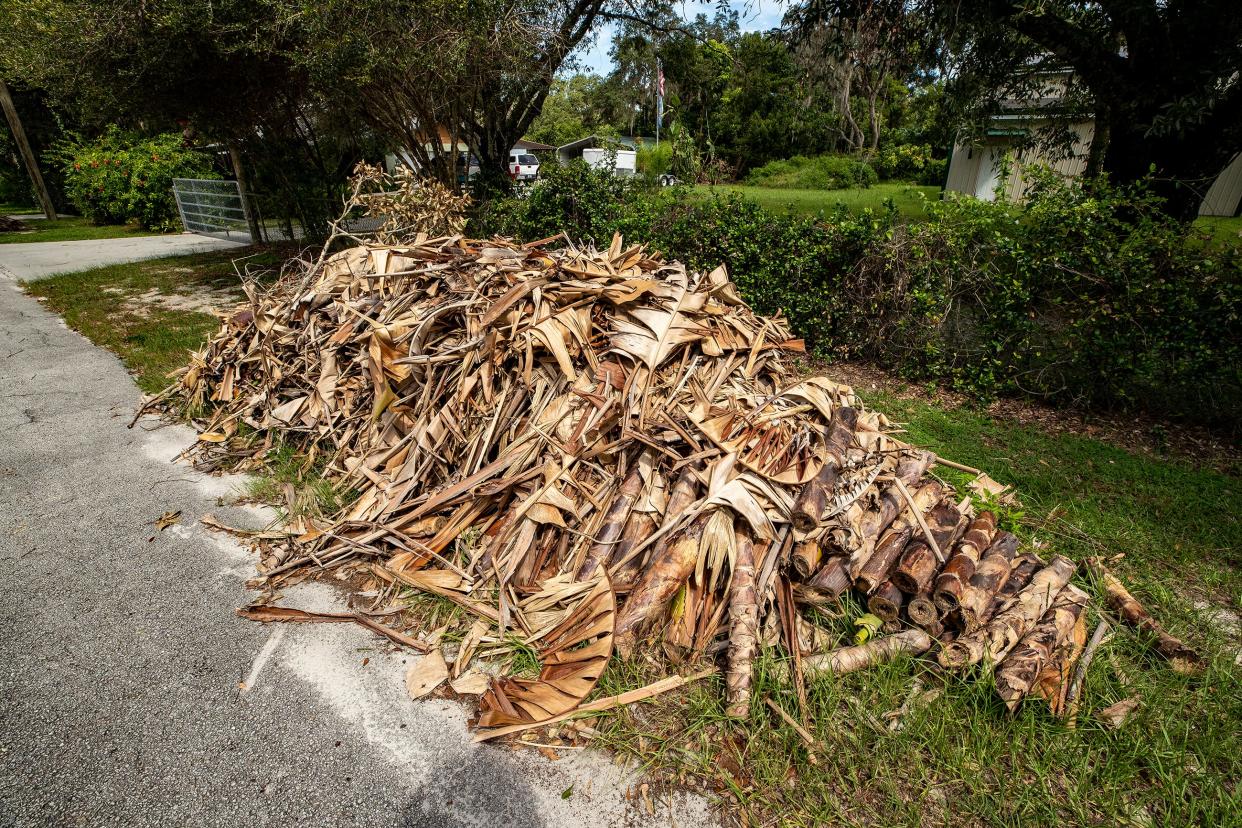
(598, 140)
(535, 146)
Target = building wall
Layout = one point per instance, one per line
(975, 170)
(1226, 191)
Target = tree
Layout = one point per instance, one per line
(1162, 78)
(219, 70)
(478, 72)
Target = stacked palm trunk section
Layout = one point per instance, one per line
(593, 449)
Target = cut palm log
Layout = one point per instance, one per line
(923, 611)
(1054, 680)
(664, 576)
(993, 642)
(806, 559)
(885, 604)
(639, 527)
(876, 651)
(917, 567)
(891, 503)
(1020, 574)
(1180, 657)
(743, 628)
(889, 548)
(828, 584)
(1017, 674)
(953, 579)
(609, 535)
(814, 497)
(990, 575)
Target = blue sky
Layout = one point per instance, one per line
(753, 15)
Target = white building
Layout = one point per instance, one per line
(977, 169)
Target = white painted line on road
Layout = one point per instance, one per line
(265, 654)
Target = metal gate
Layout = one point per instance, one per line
(211, 207)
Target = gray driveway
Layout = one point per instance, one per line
(122, 663)
(34, 261)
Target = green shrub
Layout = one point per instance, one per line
(909, 162)
(120, 177)
(1087, 295)
(653, 161)
(824, 172)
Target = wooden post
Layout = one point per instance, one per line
(23, 146)
(243, 184)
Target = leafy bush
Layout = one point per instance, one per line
(120, 177)
(653, 161)
(1086, 295)
(824, 172)
(909, 162)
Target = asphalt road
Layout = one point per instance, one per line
(121, 661)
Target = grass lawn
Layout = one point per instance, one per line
(1224, 230)
(8, 208)
(960, 758)
(73, 228)
(908, 198)
(151, 314)
(956, 757)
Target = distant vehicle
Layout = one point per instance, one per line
(669, 180)
(523, 166)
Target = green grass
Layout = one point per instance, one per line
(1223, 230)
(9, 208)
(908, 198)
(105, 305)
(296, 485)
(72, 228)
(961, 759)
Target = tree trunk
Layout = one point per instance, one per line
(918, 564)
(664, 576)
(993, 642)
(609, 534)
(743, 627)
(28, 156)
(987, 581)
(806, 558)
(922, 611)
(1180, 657)
(885, 604)
(247, 200)
(888, 550)
(874, 522)
(829, 583)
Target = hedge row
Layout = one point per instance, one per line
(1087, 294)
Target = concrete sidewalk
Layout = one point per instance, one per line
(35, 260)
(130, 694)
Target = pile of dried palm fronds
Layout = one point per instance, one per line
(587, 449)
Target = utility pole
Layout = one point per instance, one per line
(23, 146)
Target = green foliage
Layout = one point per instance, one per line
(120, 177)
(824, 172)
(652, 161)
(909, 162)
(1088, 294)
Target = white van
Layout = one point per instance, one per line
(523, 165)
